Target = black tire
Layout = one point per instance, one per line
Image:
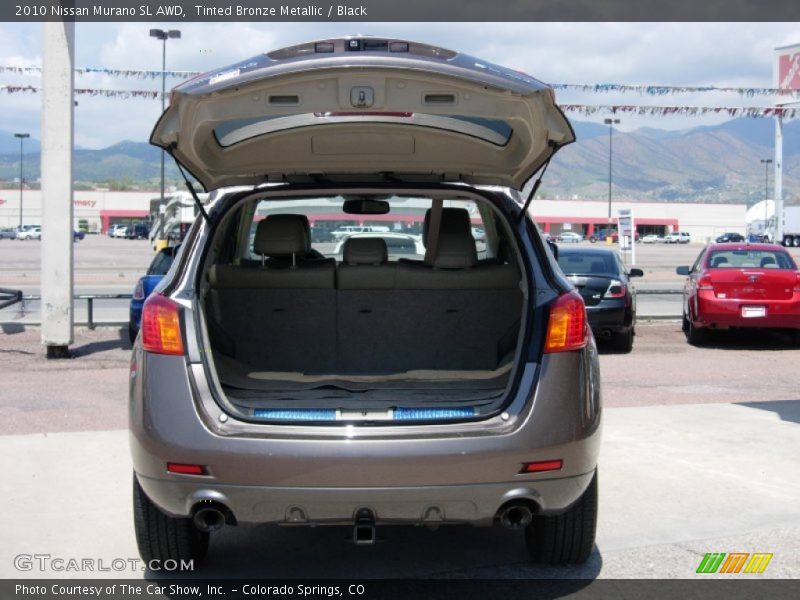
(684, 324)
(567, 538)
(160, 537)
(132, 333)
(696, 336)
(623, 342)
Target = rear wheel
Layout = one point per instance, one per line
(132, 333)
(161, 537)
(696, 336)
(623, 342)
(568, 537)
(796, 241)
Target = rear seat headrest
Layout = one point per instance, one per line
(365, 251)
(282, 235)
(455, 251)
(454, 220)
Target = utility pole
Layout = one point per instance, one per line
(164, 35)
(610, 123)
(21, 137)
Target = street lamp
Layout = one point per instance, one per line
(21, 137)
(610, 123)
(766, 162)
(164, 35)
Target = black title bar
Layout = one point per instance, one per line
(395, 10)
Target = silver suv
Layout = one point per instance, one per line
(276, 382)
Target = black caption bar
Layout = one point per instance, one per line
(394, 10)
(540, 589)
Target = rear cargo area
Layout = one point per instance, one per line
(363, 333)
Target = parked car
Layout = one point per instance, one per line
(7, 233)
(677, 237)
(740, 285)
(397, 244)
(139, 231)
(269, 385)
(347, 230)
(652, 238)
(78, 235)
(117, 231)
(159, 266)
(602, 234)
(569, 237)
(33, 232)
(730, 237)
(604, 283)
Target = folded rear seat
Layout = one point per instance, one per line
(280, 315)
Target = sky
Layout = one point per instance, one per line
(686, 54)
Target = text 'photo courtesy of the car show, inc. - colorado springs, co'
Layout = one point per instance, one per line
(380, 300)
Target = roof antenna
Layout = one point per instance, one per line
(533, 191)
(190, 187)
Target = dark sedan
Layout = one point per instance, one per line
(730, 237)
(602, 280)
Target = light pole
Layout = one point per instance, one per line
(610, 123)
(164, 35)
(21, 137)
(766, 162)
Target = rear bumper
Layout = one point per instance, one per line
(475, 504)
(715, 312)
(613, 315)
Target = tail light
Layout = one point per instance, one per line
(161, 326)
(138, 292)
(704, 283)
(616, 289)
(566, 327)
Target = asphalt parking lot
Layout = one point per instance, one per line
(699, 455)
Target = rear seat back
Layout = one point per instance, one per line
(280, 316)
(454, 315)
(364, 265)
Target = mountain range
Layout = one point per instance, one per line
(719, 163)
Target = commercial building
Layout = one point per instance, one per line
(98, 210)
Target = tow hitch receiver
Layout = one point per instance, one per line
(364, 528)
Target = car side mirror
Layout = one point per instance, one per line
(636, 273)
(682, 270)
(553, 248)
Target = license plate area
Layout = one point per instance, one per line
(754, 312)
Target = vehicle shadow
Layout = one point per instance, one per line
(400, 552)
(750, 339)
(787, 410)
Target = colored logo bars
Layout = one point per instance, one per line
(734, 562)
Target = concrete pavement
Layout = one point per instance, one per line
(675, 481)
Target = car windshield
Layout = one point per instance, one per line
(588, 263)
(741, 259)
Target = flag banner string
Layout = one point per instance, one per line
(650, 90)
(583, 109)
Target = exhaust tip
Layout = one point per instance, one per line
(210, 516)
(516, 515)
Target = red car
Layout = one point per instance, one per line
(740, 285)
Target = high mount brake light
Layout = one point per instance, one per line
(161, 326)
(566, 327)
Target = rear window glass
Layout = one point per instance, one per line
(494, 131)
(574, 263)
(401, 228)
(162, 262)
(738, 259)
